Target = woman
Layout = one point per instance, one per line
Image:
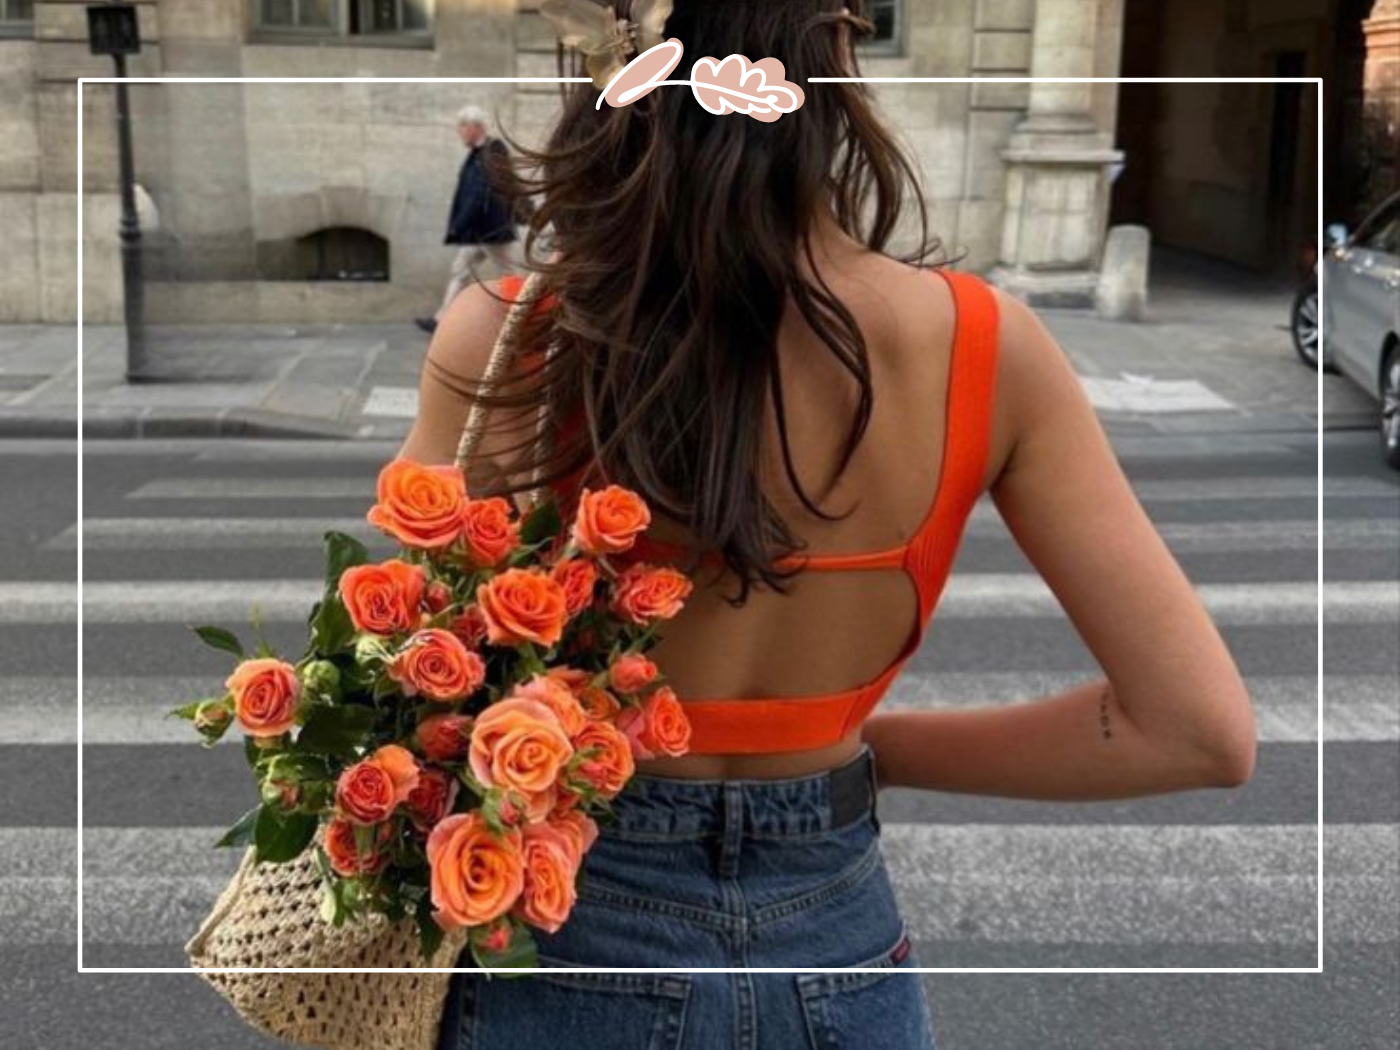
(811, 421)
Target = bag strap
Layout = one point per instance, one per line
(503, 354)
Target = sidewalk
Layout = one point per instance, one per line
(1214, 357)
(330, 381)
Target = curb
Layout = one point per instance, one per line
(230, 424)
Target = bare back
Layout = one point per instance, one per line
(1048, 466)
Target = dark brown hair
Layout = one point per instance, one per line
(678, 233)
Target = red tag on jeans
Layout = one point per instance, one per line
(901, 951)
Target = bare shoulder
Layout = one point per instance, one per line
(468, 328)
(457, 356)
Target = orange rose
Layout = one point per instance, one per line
(343, 851)
(599, 704)
(551, 866)
(518, 744)
(420, 506)
(522, 605)
(577, 576)
(611, 765)
(384, 598)
(444, 737)
(645, 593)
(367, 792)
(488, 531)
(573, 678)
(265, 696)
(556, 696)
(658, 727)
(432, 799)
(580, 827)
(476, 875)
(631, 673)
(536, 807)
(470, 626)
(608, 522)
(435, 663)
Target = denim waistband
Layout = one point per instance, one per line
(665, 807)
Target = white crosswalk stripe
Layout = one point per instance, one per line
(967, 595)
(1068, 884)
(133, 711)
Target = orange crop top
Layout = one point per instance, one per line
(775, 724)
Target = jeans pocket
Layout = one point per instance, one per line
(844, 1011)
(603, 1011)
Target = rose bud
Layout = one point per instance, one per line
(212, 717)
(321, 676)
(437, 597)
(444, 737)
(631, 673)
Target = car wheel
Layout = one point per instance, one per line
(1305, 327)
(1390, 407)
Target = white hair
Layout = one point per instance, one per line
(473, 115)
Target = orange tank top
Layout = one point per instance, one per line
(757, 725)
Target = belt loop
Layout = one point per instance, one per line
(874, 788)
(732, 835)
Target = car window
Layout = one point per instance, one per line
(1381, 233)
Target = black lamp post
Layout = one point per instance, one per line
(113, 30)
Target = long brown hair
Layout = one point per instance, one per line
(677, 235)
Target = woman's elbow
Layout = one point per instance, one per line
(1236, 748)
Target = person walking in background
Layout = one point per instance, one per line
(480, 223)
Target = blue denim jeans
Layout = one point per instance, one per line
(715, 874)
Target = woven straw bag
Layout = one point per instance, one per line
(269, 915)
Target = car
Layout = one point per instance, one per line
(1303, 323)
(1360, 329)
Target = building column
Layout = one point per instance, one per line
(1381, 104)
(1058, 164)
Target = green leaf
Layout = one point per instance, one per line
(335, 729)
(331, 627)
(186, 711)
(541, 523)
(430, 934)
(342, 552)
(241, 834)
(280, 837)
(218, 638)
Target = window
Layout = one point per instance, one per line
(885, 14)
(889, 29)
(1382, 232)
(16, 17)
(346, 18)
(340, 253)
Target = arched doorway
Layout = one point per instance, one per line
(1230, 170)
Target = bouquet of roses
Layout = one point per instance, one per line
(463, 712)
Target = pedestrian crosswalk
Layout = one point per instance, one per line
(176, 534)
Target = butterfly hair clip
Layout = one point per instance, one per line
(627, 58)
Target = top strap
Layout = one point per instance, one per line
(973, 380)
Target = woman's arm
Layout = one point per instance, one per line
(1177, 713)
(460, 349)
(1078, 745)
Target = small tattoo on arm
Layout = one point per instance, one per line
(1103, 712)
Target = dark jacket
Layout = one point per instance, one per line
(479, 214)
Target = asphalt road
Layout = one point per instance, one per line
(181, 532)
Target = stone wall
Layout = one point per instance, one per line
(232, 173)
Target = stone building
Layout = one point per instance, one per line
(312, 202)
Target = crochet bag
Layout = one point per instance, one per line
(269, 915)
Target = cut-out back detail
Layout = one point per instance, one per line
(776, 724)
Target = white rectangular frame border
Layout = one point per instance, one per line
(1321, 291)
